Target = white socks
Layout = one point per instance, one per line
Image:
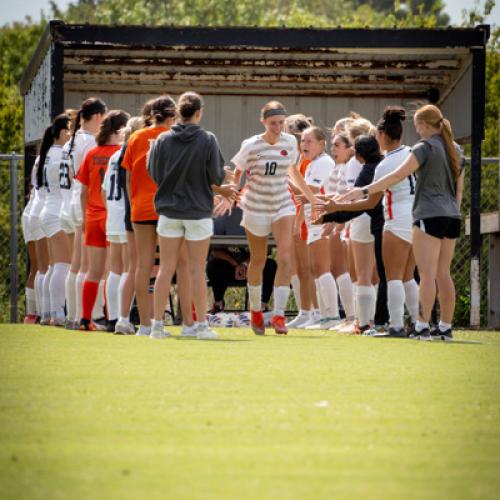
(123, 279)
(30, 301)
(70, 293)
(98, 311)
(296, 290)
(46, 294)
(365, 297)
(329, 296)
(421, 325)
(112, 295)
(374, 304)
(255, 297)
(57, 289)
(39, 278)
(411, 298)
(396, 303)
(281, 294)
(346, 292)
(444, 326)
(80, 278)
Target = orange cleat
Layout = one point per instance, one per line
(278, 322)
(86, 325)
(31, 319)
(257, 322)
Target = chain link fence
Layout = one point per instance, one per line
(13, 255)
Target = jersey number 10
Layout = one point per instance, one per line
(271, 167)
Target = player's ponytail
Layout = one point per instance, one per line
(52, 132)
(90, 107)
(113, 122)
(162, 108)
(391, 123)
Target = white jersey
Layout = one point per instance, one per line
(40, 192)
(84, 142)
(319, 170)
(115, 201)
(53, 198)
(266, 168)
(398, 200)
(65, 181)
(336, 183)
(33, 191)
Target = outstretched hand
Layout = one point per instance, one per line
(355, 194)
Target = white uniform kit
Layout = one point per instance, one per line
(65, 184)
(266, 197)
(49, 217)
(359, 228)
(317, 174)
(84, 142)
(398, 200)
(28, 232)
(115, 202)
(36, 207)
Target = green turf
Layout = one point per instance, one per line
(307, 416)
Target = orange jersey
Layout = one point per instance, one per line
(91, 174)
(303, 166)
(142, 187)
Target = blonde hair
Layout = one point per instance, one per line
(317, 132)
(361, 126)
(135, 123)
(271, 105)
(341, 126)
(432, 116)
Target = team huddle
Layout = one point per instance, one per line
(363, 230)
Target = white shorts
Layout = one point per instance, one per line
(76, 214)
(359, 230)
(26, 227)
(51, 224)
(261, 225)
(36, 228)
(67, 225)
(117, 238)
(402, 231)
(314, 233)
(191, 230)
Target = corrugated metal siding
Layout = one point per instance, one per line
(234, 118)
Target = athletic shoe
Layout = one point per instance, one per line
(299, 321)
(325, 324)
(278, 323)
(86, 325)
(410, 330)
(143, 331)
(349, 329)
(101, 324)
(369, 332)
(124, 328)
(45, 321)
(397, 333)
(437, 334)
(424, 334)
(257, 322)
(71, 325)
(30, 319)
(58, 322)
(158, 332)
(189, 331)
(204, 332)
(217, 307)
(110, 327)
(341, 325)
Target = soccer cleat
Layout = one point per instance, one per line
(30, 319)
(59, 322)
(189, 331)
(124, 328)
(325, 324)
(349, 329)
(101, 324)
(424, 334)
(111, 324)
(278, 323)
(86, 325)
(396, 333)
(71, 325)
(299, 321)
(143, 331)
(158, 332)
(410, 330)
(437, 334)
(340, 325)
(204, 332)
(257, 322)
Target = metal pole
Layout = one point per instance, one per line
(13, 269)
(478, 103)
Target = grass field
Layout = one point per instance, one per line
(92, 415)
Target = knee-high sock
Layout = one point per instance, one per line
(296, 290)
(328, 291)
(396, 303)
(365, 298)
(121, 312)
(346, 293)
(255, 297)
(30, 301)
(411, 298)
(70, 292)
(281, 294)
(39, 277)
(112, 295)
(80, 278)
(374, 305)
(321, 302)
(89, 295)
(100, 302)
(46, 293)
(57, 290)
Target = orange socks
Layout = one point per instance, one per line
(89, 295)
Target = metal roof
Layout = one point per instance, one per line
(253, 61)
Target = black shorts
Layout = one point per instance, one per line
(146, 222)
(440, 227)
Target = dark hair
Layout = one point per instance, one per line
(162, 107)
(111, 124)
(367, 147)
(188, 104)
(90, 107)
(146, 112)
(344, 138)
(391, 122)
(51, 133)
(296, 124)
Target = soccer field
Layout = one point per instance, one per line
(92, 415)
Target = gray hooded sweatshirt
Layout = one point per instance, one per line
(185, 162)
